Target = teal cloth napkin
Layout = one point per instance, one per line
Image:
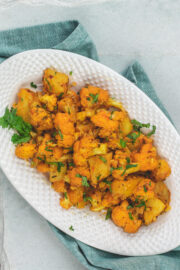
(71, 36)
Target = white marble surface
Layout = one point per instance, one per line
(148, 31)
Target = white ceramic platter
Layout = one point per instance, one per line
(91, 228)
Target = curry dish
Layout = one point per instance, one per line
(92, 152)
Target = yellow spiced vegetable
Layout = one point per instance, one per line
(92, 152)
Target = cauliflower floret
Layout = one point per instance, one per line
(81, 116)
(162, 171)
(40, 118)
(146, 157)
(103, 120)
(43, 167)
(25, 150)
(49, 101)
(65, 126)
(59, 186)
(93, 97)
(76, 197)
(109, 200)
(85, 147)
(145, 189)
(69, 104)
(65, 202)
(122, 165)
(79, 177)
(25, 98)
(55, 82)
(125, 218)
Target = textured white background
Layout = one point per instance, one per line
(122, 30)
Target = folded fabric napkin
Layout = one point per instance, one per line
(71, 36)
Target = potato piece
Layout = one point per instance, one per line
(55, 82)
(162, 192)
(25, 98)
(55, 176)
(154, 207)
(162, 171)
(113, 103)
(124, 189)
(125, 126)
(96, 201)
(99, 167)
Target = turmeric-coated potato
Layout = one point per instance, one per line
(55, 82)
(162, 171)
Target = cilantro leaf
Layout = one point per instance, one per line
(108, 214)
(84, 180)
(11, 120)
(152, 131)
(71, 228)
(33, 85)
(94, 98)
(122, 143)
(103, 159)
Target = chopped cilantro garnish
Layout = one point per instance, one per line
(94, 98)
(65, 195)
(71, 164)
(60, 134)
(152, 131)
(133, 136)
(111, 115)
(150, 183)
(98, 177)
(122, 143)
(128, 166)
(47, 149)
(33, 85)
(84, 180)
(11, 120)
(103, 159)
(85, 198)
(142, 203)
(58, 164)
(138, 125)
(50, 87)
(60, 95)
(70, 73)
(129, 206)
(130, 215)
(88, 98)
(108, 214)
(40, 158)
(71, 228)
(128, 160)
(108, 183)
(145, 188)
